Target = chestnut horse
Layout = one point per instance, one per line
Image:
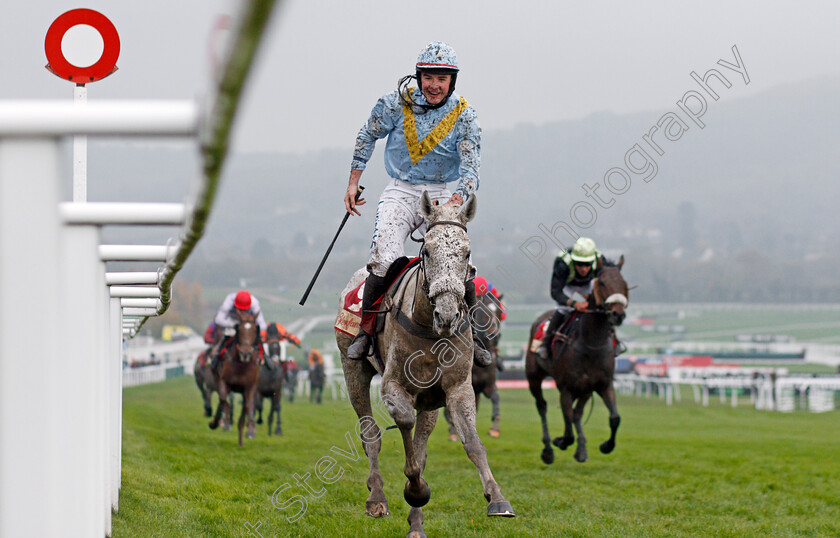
(239, 372)
(582, 364)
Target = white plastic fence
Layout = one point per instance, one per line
(815, 393)
(61, 327)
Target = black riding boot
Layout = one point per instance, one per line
(374, 287)
(481, 356)
(545, 347)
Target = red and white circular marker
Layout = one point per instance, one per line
(59, 64)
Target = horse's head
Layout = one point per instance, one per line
(611, 292)
(445, 259)
(247, 333)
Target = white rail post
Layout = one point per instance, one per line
(80, 289)
(115, 405)
(32, 459)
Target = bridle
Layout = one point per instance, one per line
(422, 242)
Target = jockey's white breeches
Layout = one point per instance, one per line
(397, 216)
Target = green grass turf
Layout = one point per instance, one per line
(683, 470)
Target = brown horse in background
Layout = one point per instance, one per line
(239, 372)
(487, 317)
(583, 364)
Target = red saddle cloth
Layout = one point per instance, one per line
(350, 318)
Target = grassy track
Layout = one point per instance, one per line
(683, 470)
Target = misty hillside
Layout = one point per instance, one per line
(732, 213)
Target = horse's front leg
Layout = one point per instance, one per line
(566, 405)
(581, 454)
(400, 405)
(461, 403)
(250, 396)
(357, 376)
(535, 386)
(608, 395)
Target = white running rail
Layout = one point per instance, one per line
(61, 327)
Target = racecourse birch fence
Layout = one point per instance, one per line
(65, 316)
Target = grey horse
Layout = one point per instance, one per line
(426, 367)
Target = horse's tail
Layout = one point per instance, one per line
(591, 407)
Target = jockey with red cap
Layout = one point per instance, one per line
(227, 318)
(433, 139)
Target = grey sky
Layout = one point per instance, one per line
(325, 63)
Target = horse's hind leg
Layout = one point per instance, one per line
(453, 435)
(608, 395)
(494, 398)
(417, 492)
(276, 407)
(221, 408)
(535, 386)
(581, 454)
(461, 402)
(357, 375)
(426, 421)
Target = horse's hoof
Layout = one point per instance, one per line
(547, 456)
(453, 437)
(607, 447)
(417, 499)
(226, 427)
(494, 433)
(278, 431)
(563, 442)
(250, 435)
(501, 508)
(259, 421)
(208, 412)
(213, 425)
(376, 509)
(582, 457)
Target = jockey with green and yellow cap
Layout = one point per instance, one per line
(574, 271)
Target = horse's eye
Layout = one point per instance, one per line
(469, 253)
(424, 252)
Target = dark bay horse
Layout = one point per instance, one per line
(487, 317)
(427, 357)
(239, 372)
(271, 378)
(205, 381)
(583, 365)
(270, 385)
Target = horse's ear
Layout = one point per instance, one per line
(620, 262)
(426, 205)
(469, 209)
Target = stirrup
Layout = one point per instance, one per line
(360, 348)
